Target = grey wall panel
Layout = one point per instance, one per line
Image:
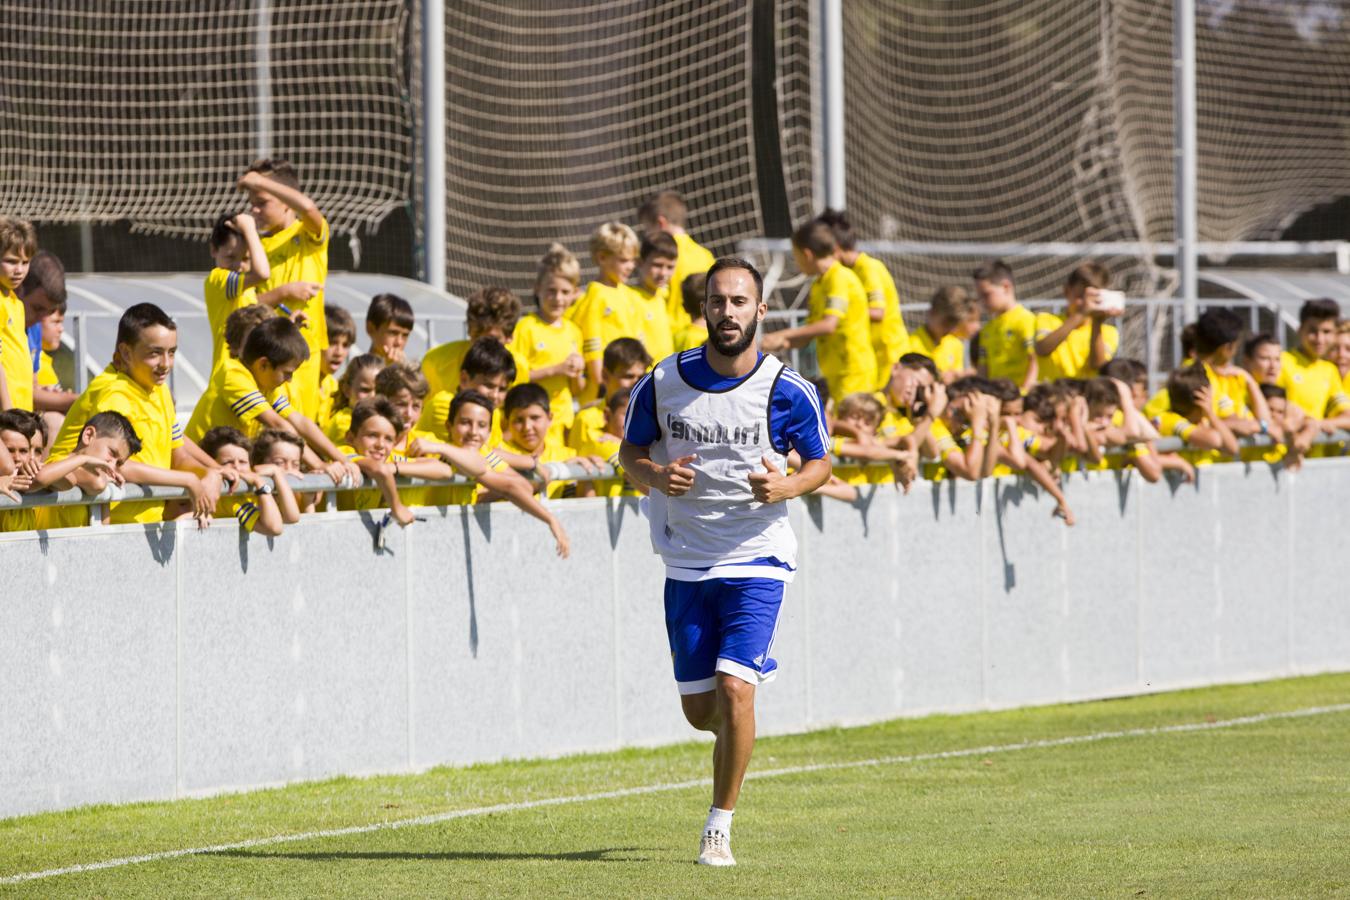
(150, 663)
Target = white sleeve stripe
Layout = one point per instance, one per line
(812, 397)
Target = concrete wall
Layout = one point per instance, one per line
(153, 663)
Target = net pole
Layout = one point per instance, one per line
(433, 143)
(1185, 150)
(262, 76)
(832, 66)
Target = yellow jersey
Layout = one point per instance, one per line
(16, 359)
(462, 495)
(1227, 396)
(605, 313)
(858, 472)
(1171, 424)
(554, 450)
(1315, 385)
(232, 398)
(948, 354)
(1070, 358)
(369, 498)
(19, 519)
(224, 293)
(894, 424)
(51, 518)
(295, 255)
(586, 429)
(46, 376)
(890, 338)
(539, 344)
(242, 508)
(151, 414)
(442, 366)
(691, 338)
(328, 394)
(606, 446)
(1007, 343)
(339, 423)
(693, 259)
(845, 357)
(654, 319)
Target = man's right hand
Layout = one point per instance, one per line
(675, 478)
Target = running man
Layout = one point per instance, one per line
(709, 431)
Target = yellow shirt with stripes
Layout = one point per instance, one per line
(243, 509)
(693, 259)
(15, 357)
(845, 357)
(1008, 342)
(1070, 358)
(224, 292)
(890, 339)
(295, 255)
(1171, 424)
(1315, 385)
(948, 353)
(232, 398)
(605, 313)
(537, 345)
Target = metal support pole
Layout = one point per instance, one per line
(262, 77)
(832, 66)
(1184, 151)
(433, 143)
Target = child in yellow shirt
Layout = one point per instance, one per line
(18, 243)
(656, 263)
(102, 447)
(341, 337)
(890, 338)
(240, 266)
(624, 363)
(1008, 340)
(666, 211)
(389, 323)
(271, 506)
(608, 310)
(1193, 418)
(530, 435)
(952, 319)
(1078, 344)
(693, 292)
(547, 343)
(356, 384)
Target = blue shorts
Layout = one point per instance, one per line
(722, 625)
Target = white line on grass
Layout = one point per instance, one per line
(674, 786)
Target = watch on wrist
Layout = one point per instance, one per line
(264, 489)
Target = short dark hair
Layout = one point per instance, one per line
(223, 231)
(616, 399)
(970, 384)
(1089, 274)
(1040, 401)
(493, 306)
(658, 243)
(20, 421)
(816, 236)
(277, 340)
(374, 406)
(17, 234)
(140, 317)
(1318, 310)
(278, 169)
(487, 358)
(1274, 392)
(1256, 341)
(339, 323)
(1005, 389)
(1182, 386)
(46, 273)
(386, 308)
(240, 324)
(463, 397)
(224, 436)
(398, 376)
(1101, 391)
(263, 444)
(666, 204)
(735, 262)
(844, 235)
(523, 396)
(1123, 368)
(623, 352)
(111, 424)
(993, 270)
(919, 361)
(1215, 328)
(693, 293)
(355, 366)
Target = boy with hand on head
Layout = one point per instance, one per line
(470, 425)
(1080, 342)
(295, 238)
(1131, 379)
(492, 313)
(240, 266)
(546, 344)
(624, 362)
(278, 454)
(863, 413)
(102, 448)
(341, 338)
(136, 385)
(696, 333)
(951, 320)
(389, 322)
(1008, 339)
(667, 212)
(890, 339)
(1236, 394)
(1298, 429)
(609, 309)
(838, 316)
(356, 384)
(1310, 380)
(250, 393)
(656, 263)
(1193, 417)
(18, 374)
(271, 506)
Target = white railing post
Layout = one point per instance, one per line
(832, 100)
(262, 77)
(1185, 152)
(433, 143)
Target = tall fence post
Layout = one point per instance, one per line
(1185, 152)
(262, 77)
(433, 143)
(831, 39)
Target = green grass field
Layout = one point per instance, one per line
(1259, 808)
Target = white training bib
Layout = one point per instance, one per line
(718, 522)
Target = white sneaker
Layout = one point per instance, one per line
(715, 849)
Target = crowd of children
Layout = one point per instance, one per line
(290, 390)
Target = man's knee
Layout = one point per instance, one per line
(734, 695)
(701, 710)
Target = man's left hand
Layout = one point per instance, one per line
(771, 485)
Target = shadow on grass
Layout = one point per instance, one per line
(605, 855)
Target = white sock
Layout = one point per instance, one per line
(719, 820)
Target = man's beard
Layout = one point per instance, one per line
(735, 347)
